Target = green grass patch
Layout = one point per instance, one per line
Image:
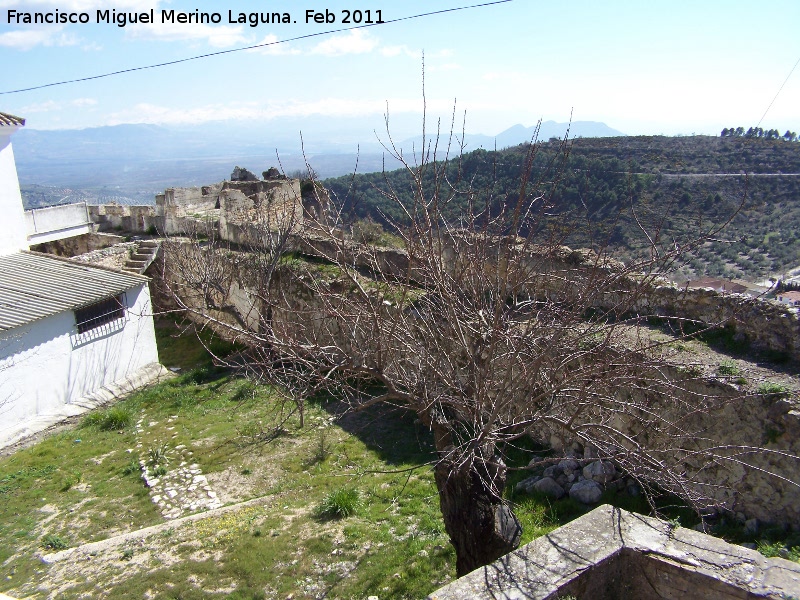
(339, 504)
(53, 542)
(111, 419)
(728, 368)
(770, 389)
(368, 473)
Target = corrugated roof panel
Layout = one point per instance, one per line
(34, 286)
(7, 120)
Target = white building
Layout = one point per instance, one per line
(72, 336)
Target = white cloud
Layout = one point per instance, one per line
(403, 50)
(51, 106)
(30, 38)
(274, 48)
(356, 41)
(218, 36)
(41, 107)
(507, 76)
(332, 107)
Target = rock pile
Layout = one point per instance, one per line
(240, 174)
(583, 479)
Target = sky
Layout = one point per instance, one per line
(661, 67)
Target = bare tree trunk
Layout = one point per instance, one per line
(482, 528)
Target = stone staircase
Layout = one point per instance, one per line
(145, 254)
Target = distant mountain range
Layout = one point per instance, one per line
(138, 160)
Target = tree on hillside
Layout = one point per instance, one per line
(486, 327)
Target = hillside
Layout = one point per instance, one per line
(675, 186)
(130, 163)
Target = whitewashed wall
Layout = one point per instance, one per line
(13, 230)
(47, 364)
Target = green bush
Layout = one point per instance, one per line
(777, 549)
(770, 388)
(339, 504)
(728, 367)
(53, 542)
(367, 231)
(112, 419)
(158, 456)
(132, 467)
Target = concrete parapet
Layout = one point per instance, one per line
(57, 222)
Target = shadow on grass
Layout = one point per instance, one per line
(393, 434)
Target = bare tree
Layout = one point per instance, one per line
(484, 325)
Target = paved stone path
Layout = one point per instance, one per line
(183, 488)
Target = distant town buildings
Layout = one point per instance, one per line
(791, 298)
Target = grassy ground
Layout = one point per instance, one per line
(83, 485)
(346, 511)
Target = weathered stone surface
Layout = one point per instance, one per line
(586, 491)
(633, 489)
(569, 465)
(273, 173)
(527, 484)
(751, 526)
(552, 471)
(549, 487)
(610, 553)
(600, 471)
(240, 174)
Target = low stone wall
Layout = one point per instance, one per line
(755, 439)
(79, 244)
(610, 554)
(113, 257)
(182, 201)
(764, 324)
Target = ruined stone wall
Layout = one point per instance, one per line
(79, 244)
(136, 219)
(764, 324)
(251, 210)
(759, 435)
(113, 257)
(755, 437)
(180, 202)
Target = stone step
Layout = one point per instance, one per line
(136, 264)
(141, 257)
(154, 244)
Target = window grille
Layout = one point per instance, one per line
(98, 314)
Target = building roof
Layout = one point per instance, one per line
(719, 285)
(34, 286)
(794, 296)
(7, 120)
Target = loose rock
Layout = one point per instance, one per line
(586, 491)
(549, 487)
(600, 471)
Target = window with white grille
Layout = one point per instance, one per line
(98, 314)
